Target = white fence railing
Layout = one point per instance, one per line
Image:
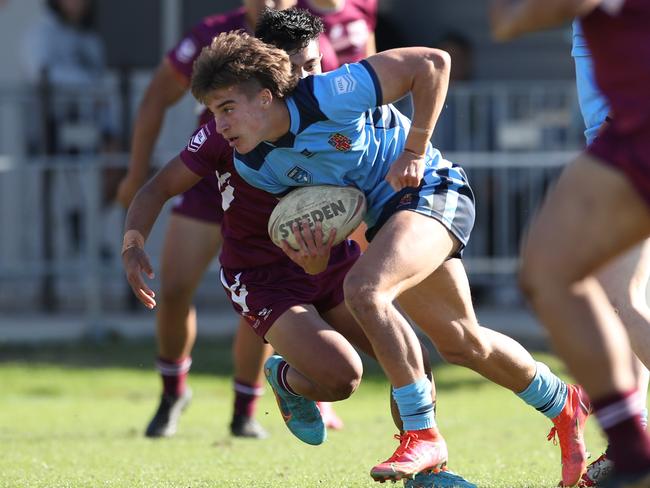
(60, 239)
(64, 241)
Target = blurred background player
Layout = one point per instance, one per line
(193, 233)
(601, 200)
(349, 26)
(625, 280)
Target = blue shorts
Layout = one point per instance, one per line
(445, 195)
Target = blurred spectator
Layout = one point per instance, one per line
(388, 34)
(63, 49)
(349, 25)
(64, 57)
(464, 122)
(461, 51)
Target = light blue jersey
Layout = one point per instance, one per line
(593, 106)
(339, 134)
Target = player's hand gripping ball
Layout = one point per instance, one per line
(339, 207)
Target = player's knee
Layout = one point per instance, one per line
(176, 290)
(343, 382)
(536, 272)
(360, 295)
(469, 350)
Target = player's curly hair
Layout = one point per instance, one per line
(235, 59)
(291, 29)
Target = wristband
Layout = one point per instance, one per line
(132, 238)
(419, 155)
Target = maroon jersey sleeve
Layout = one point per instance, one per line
(182, 55)
(349, 28)
(206, 151)
(329, 61)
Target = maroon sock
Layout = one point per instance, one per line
(246, 395)
(174, 374)
(283, 369)
(629, 444)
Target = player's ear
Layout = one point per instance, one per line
(266, 97)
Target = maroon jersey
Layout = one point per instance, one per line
(349, 28)
(182, 55)
(620, 47)
(246, 243)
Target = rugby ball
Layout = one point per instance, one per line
(339, 207)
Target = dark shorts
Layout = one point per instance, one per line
(201, 202)
(447, 197)
(628, 152)
(261, 295)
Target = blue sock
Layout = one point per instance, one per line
(547, 393)
(415, 405)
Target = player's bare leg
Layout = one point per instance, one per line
(248, 354)
(314, 362)
(441, 305)
(188, 248)
(404, 252)
(591, 216)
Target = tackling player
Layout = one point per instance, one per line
(625, 280)
(596, 212)
(194, 233)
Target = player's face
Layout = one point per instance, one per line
(240, 116)
(306, 61)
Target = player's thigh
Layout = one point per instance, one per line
(590, 216)
(408, 248)
(341, 320)
(189, 246)
(625, 278)
(441, 305)
(312, 346)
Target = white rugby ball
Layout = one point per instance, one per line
(339, 207)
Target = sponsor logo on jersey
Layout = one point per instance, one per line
(186, 50)
(340, 142)
(197, 141)
(299, 175)
(344, 84)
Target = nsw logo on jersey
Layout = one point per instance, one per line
(340, 142)
(299, 175)
(197, 141)
(344, 84)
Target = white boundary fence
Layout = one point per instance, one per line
(59, 243)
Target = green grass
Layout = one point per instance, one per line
(73, 416)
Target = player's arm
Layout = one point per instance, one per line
(164, 90)
(424, 72)
(173, 179)
(512, 18)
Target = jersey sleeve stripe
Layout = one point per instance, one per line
(375, 81)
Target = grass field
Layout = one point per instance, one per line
(73, 416)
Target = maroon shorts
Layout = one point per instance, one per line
(628, 151)
(261, 295)
(202, 201)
